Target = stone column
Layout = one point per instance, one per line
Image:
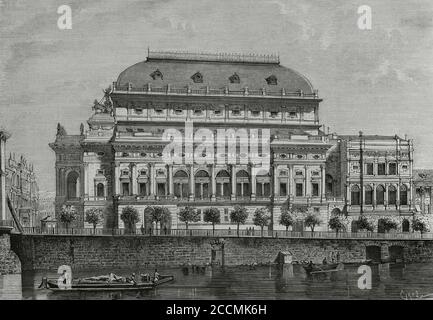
(152, 180)
(213, 183)
(307, 182)
(276, 189)
(291, 191)
(170, 180)
(233, 197)
(348, 195)
(117, 178)
(191, 183)
(86, 179)
(386, 195)
(253, 182)
(398, 196)
(134, 175)
(3, 137)
(374, 195)
(323, 187)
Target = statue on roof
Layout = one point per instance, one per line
(60, 130)
(82, 129)
(105, 105)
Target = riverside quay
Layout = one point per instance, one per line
(119, 161)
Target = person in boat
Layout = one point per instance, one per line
(156, 276)
(325, 261)
(114, 278)
(310, 264)
(145, 277)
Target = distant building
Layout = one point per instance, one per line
(22, 189)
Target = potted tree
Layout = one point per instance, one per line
(363, 224)
(261, 218)
(93, 216)
(387, 224)
(130, 218)
(335, 223)
(67, 215)
(159, 215)
(187, 215)
(213, 216)
(238, 215)
(311, 221)
(420, 224)
(286, 220)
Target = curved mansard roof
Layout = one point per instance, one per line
(214, 70)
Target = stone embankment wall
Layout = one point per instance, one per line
(9, 262)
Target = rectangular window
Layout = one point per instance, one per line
(315, 189)
(236, 112)
(161, 189)
(299, 190)
(283, 189)
(292, 114)
(125, 188)
(274, 114)
(392, 168)
(226, 215)
(381, 169)
(142, 189)
(369, 169)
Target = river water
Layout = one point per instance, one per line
(243, 282)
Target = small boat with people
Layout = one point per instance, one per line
(311, 268)
(109, 282)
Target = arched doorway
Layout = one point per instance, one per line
(396, 253)
(380, 226)
(72, 185)
(354, 226)
(405, 226)
(380, 191)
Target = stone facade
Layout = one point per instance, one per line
(9, 262)
(81, 252)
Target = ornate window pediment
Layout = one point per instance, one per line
(197, 77)
(234, 78)
(272, 80)
(157, 75)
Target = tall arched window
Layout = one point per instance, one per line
(392, 195)
(72, 185)
(100, 190)
(403, 195)
(223, 184)
(263, 184)
(180, 181)
(329, 185)
(202, 184)
(355, 195)
(405, 225)
(242, 183)
(368, 194)
(380, 191)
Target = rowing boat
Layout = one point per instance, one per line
(323, 268)
(79, 285)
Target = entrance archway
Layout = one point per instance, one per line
(72, 185)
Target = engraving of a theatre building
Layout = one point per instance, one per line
(118, 161)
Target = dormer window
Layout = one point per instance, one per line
(292, 114)
(138, 111)
(197, 77)
(158, 111)
(271, 80)
(157, 75)
(198, 112)
(125, 154)
(125, 172)
(143, 154)
(178, 111)
(234, 78)
(255, 113)
(236, 112)
(217, 112)
(274, 114)
(101, 154)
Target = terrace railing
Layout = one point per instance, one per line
(229, 233)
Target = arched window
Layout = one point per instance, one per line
(100, 190)
(223, 184)
(72, 185)
(355, 195)
(368, 194)
(403, 195)
(180, 182)
(263, 184)
(392, 195)
(380, 191)
(242, 183)
(329, 184)
(202, 182)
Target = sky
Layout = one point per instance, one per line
(378, 81)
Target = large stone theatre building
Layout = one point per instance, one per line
(119, 160)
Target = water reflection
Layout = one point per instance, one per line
(244, 282)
